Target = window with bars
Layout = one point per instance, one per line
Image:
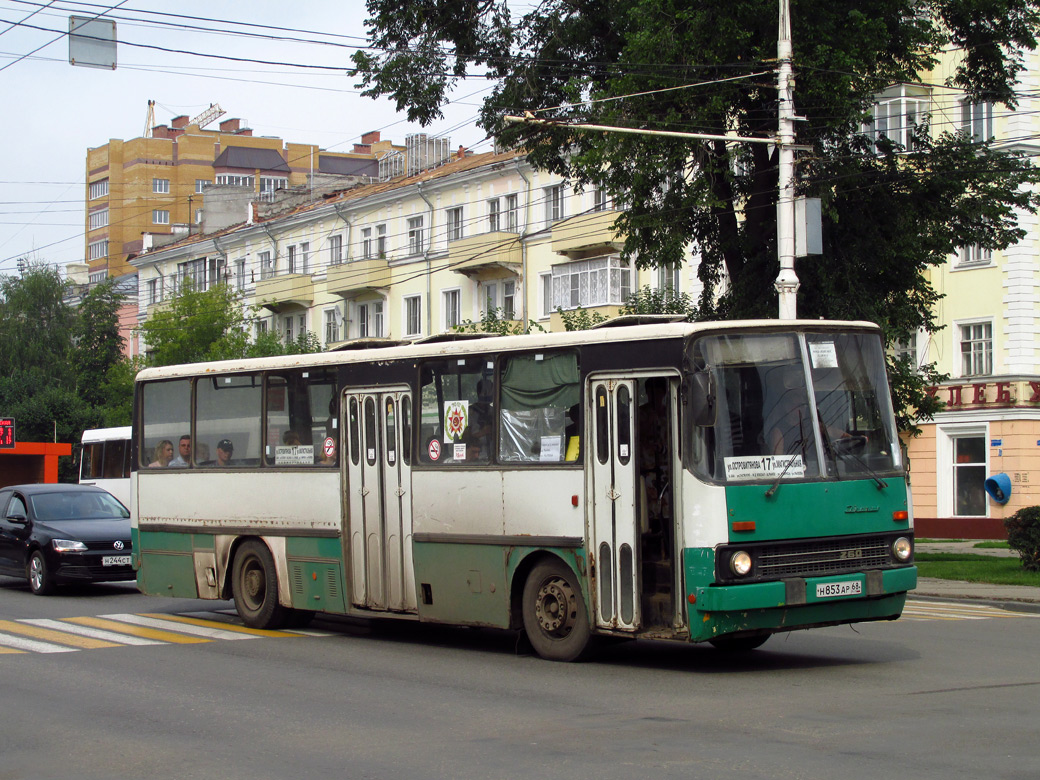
(976, 349)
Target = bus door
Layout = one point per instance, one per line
(379, 505)
(613, 530)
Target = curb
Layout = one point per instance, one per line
(1032, 607)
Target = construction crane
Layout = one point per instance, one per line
(149, 119)
(211, 114)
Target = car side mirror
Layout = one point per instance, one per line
(702, 401)
(17, 518)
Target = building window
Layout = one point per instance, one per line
(366, 243)
(235, 181)
(240, 274)
(97, 250)
(331, 326)
(381, 241)
(198, 216)
(977, 120)
(160, 216)
(370, 320)
(161, 186)
(512, 220)
(292, 259)
(335, 249)
(266, 265)
(545, 289)
(898, 111)
(500, 298)
(377, 320)
(98, 219)
(413, 315)
(451, 305)
(200, 185)
(974, 255)
(553, 203)
(976, 349)
(601, 200)
(289, 323)
(969, 476)
(668, 279)
(153, 287)
(269, 185)
(494, 216)
(262, 326)
(598, 282)
(98, 189)
(97, 277)
(906, 350)
(416, 239)
(454, 223)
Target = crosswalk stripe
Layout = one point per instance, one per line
(5, 650)
(147, 633)
(53, 637)
(23, 644)
(96, 633)
(227, 618)
(217, 624)
(169, 625)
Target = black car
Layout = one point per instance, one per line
(52, 534)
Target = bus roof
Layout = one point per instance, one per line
(495, 343)
(106, 434)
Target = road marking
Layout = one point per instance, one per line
(21, 644)
(53, 637)
(162, 624)
(229, 618)
(195, 620)
(147, 633)
(96, 633)
(942, 610)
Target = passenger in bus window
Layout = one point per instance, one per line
(163, 455)
(291, 439)
(184, 452)
(202, 454)
(225, 449)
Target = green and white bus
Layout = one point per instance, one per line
(715, 482)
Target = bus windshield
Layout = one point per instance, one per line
(794, 406)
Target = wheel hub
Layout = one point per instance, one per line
(553, 607)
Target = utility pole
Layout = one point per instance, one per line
(786, 283)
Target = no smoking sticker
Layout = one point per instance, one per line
(329, 447)
(434, 449)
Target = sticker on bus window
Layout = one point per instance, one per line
(823, 355)
(459, 452)
(329, 447)
(294, 455)
(456, 420)
(764, 467)
(434, 450)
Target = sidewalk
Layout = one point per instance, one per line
(1015, 597)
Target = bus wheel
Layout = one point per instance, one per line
(254, 583)
(739, 644)
(555, 618)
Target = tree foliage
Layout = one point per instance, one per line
(891, 213)
(98, 345)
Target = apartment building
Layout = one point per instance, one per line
(157, 184)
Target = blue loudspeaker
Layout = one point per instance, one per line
(999, 488)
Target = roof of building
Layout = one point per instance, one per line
(251, 159)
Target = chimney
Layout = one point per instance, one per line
(179, 121)
(160, 131)
(230, 125)
(371, 137)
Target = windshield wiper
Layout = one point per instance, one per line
(789, 454)
(842, 452)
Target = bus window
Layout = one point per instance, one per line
(300, 415)
(406, 430)
(370, 431)
(227, 420)
(92, 460)
(390, 421)
(352, 426)
(457, 411)
(540, 408)
(115, 461)
(166, 415)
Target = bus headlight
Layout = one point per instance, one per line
(901, 549)
(740, 563)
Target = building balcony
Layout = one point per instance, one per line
(287, 291)
(587, 233)
(357, 276)
(485, 252)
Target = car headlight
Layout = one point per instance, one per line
(740, 563)
(68, 545)
(902, 549)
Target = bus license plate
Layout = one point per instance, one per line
(827, 590)
(115, 560)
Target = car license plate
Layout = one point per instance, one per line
(827, 590)
(115, 560)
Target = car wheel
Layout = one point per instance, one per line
(40, 580)
(254, 584)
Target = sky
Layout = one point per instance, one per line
(56, 111)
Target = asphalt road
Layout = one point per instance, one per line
(948, 691)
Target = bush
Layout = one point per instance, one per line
(1023, 532)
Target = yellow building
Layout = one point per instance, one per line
(157, 184)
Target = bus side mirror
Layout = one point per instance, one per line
(702, 398)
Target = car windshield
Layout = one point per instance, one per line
(792, 406)
(75, 505)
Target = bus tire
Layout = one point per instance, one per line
(739, 644)
(555, 619)
(254, 584)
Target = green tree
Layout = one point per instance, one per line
(36, 326)
(891, 212)
(97, 343)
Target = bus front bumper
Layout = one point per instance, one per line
(798, 603)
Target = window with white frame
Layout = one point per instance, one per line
(292, 258)
(974, 255)
(366, 243)
(906, 349)
(416, 239)
(97, 277)
(235, 180)
(451, 308)
(598, 282)
(161, 186)
(494, 215)
(304, 266)
(331, 326)
(969, 475)
(554, 203)
(289, 326)
(335, 249)
(499, 296)
(512, 214)
(97, 249)
(976, 340)
(413, 315)
(98, 189)
(153, 288)
(545, 294)
(240, 274)
(668, 279)
(977, 120)
(381, 248)
(601, 200)
(262, 326)
(200, 185)
(370, 319)
(98, 219)
(198, 216)
(160, 216)
(455, 230)
(270, 184)
(898, 111)
(266, 265)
